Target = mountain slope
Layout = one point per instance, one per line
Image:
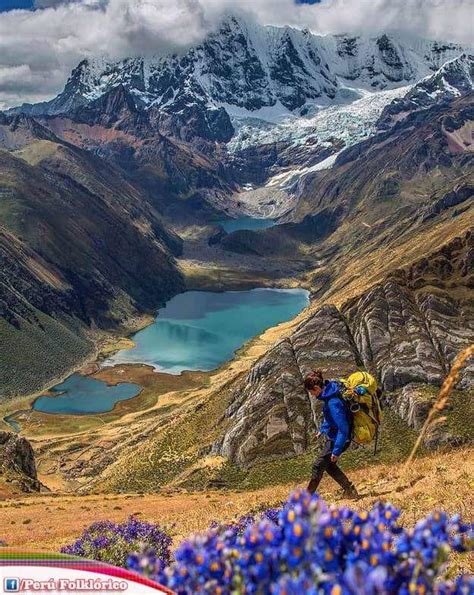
(178, 177)
(405, 330)
(81, 248)
(86, 181)
(254, 411)
(376, 302)
(384, 188)
(454, 79)
(296, 147)
(252, 425)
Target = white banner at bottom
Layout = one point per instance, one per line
(61, 577)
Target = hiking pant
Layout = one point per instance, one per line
(323, 463)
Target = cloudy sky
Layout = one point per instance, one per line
(42, 40)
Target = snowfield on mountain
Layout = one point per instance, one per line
(251, 67)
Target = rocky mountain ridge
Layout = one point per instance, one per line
(454, 79)
(405, 330)
(247, 66)
(248, 104)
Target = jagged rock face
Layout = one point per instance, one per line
(405, 330)
(270, 409)
(17, 462)
(413, 403)
(453, 79)
(249, 66)
(392, 336)
(324, 340)
(460, 194)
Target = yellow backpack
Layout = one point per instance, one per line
(360, 391)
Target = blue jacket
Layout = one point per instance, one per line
(337, 424)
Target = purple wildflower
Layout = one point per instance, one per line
(113, 543)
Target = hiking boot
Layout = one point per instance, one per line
(351, 493)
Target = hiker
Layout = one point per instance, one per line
(337, 429)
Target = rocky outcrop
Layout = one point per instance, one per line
(453, 79)
(324, 341)
(270, 409)
(406, 330)
(17, 462)
(413, 402)
(393, 337)
(459, 195)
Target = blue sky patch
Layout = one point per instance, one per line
(6, 5)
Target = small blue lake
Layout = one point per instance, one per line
(251, 223)
(80, 395)
(196, 330)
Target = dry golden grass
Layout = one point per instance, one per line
(46, 522)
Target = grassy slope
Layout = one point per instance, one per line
(180, 453)
(54, 347)
(81, 237)
(438, 480)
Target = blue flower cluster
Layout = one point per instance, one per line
(308, 547)
(111, 542)
(239, 526)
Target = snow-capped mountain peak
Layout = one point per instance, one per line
(250, 67)
(454, 79)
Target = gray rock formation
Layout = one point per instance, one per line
(269, 409)
(17, 462)
(413, 403)
(406, 330)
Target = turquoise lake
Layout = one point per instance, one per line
(81, 395)
(196, 330)
(200, 330)
(231, 225)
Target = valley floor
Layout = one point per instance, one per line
(46, 522)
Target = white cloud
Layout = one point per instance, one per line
(41, 47)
